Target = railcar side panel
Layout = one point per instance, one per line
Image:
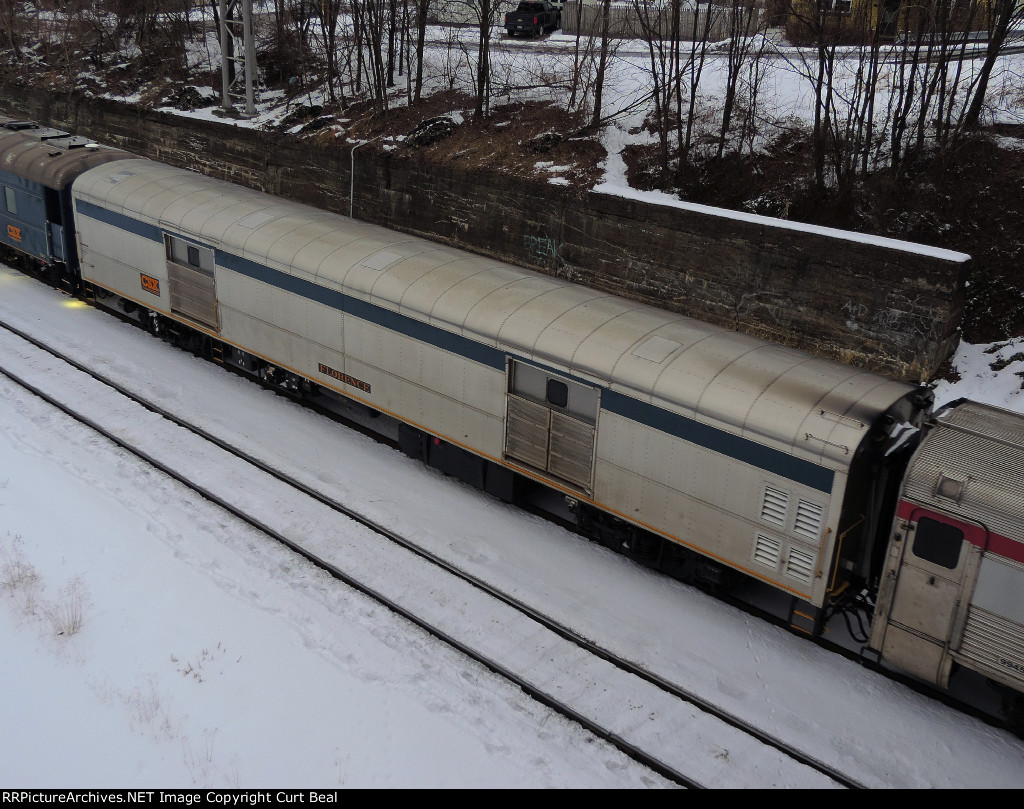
(121, 260)
(413, 380)
(312, 321)
(993, 634)
(444, 393)
(23, 221)
(771, 527)
(250, 315)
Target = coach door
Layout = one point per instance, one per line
(933, 561)
(551, 423)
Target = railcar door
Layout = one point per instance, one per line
(191, 281)
(551, 424)
(927, 583)
(56, 239)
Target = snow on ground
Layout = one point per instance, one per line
(992, 373)
(209, 657)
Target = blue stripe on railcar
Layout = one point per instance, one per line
(703, 435)
(733, 446)
(119, 220)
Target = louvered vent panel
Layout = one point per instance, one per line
(571, 454)
(994, 641)
(800, 565)
(767, 551)
(808, 519)
(526, 437)
(773, 508)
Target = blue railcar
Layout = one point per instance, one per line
(36, 171)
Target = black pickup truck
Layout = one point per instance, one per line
(533, 17)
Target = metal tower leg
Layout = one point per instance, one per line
(239, 33)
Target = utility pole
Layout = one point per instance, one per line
(235, 37)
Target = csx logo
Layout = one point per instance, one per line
(14, 233)
(151, 284)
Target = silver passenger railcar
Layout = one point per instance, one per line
(667, 434)
(700, 451)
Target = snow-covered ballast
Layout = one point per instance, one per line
(738, 449)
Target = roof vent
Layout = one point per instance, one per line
(656, 349)
(381, 260)
(950, 488)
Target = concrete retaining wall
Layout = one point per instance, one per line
(869, 303)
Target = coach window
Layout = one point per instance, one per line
(938, 543)
(12, 203)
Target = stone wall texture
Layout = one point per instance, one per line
(859, 301)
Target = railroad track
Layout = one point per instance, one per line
(570, 674)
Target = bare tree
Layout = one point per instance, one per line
(373, 21)
(1008, 14)
(485, 12)
(327, 12)
(700, 35)
(583, 62)
(661, 35)
(602, 62)
(11, 23)
(844, 127)
(744, 24)
(422, 10)
(936, 88)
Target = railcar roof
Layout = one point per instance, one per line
(48, 156)
(788, 398)
(982, 448)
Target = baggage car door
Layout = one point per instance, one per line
(929, 575)
(551, 423)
